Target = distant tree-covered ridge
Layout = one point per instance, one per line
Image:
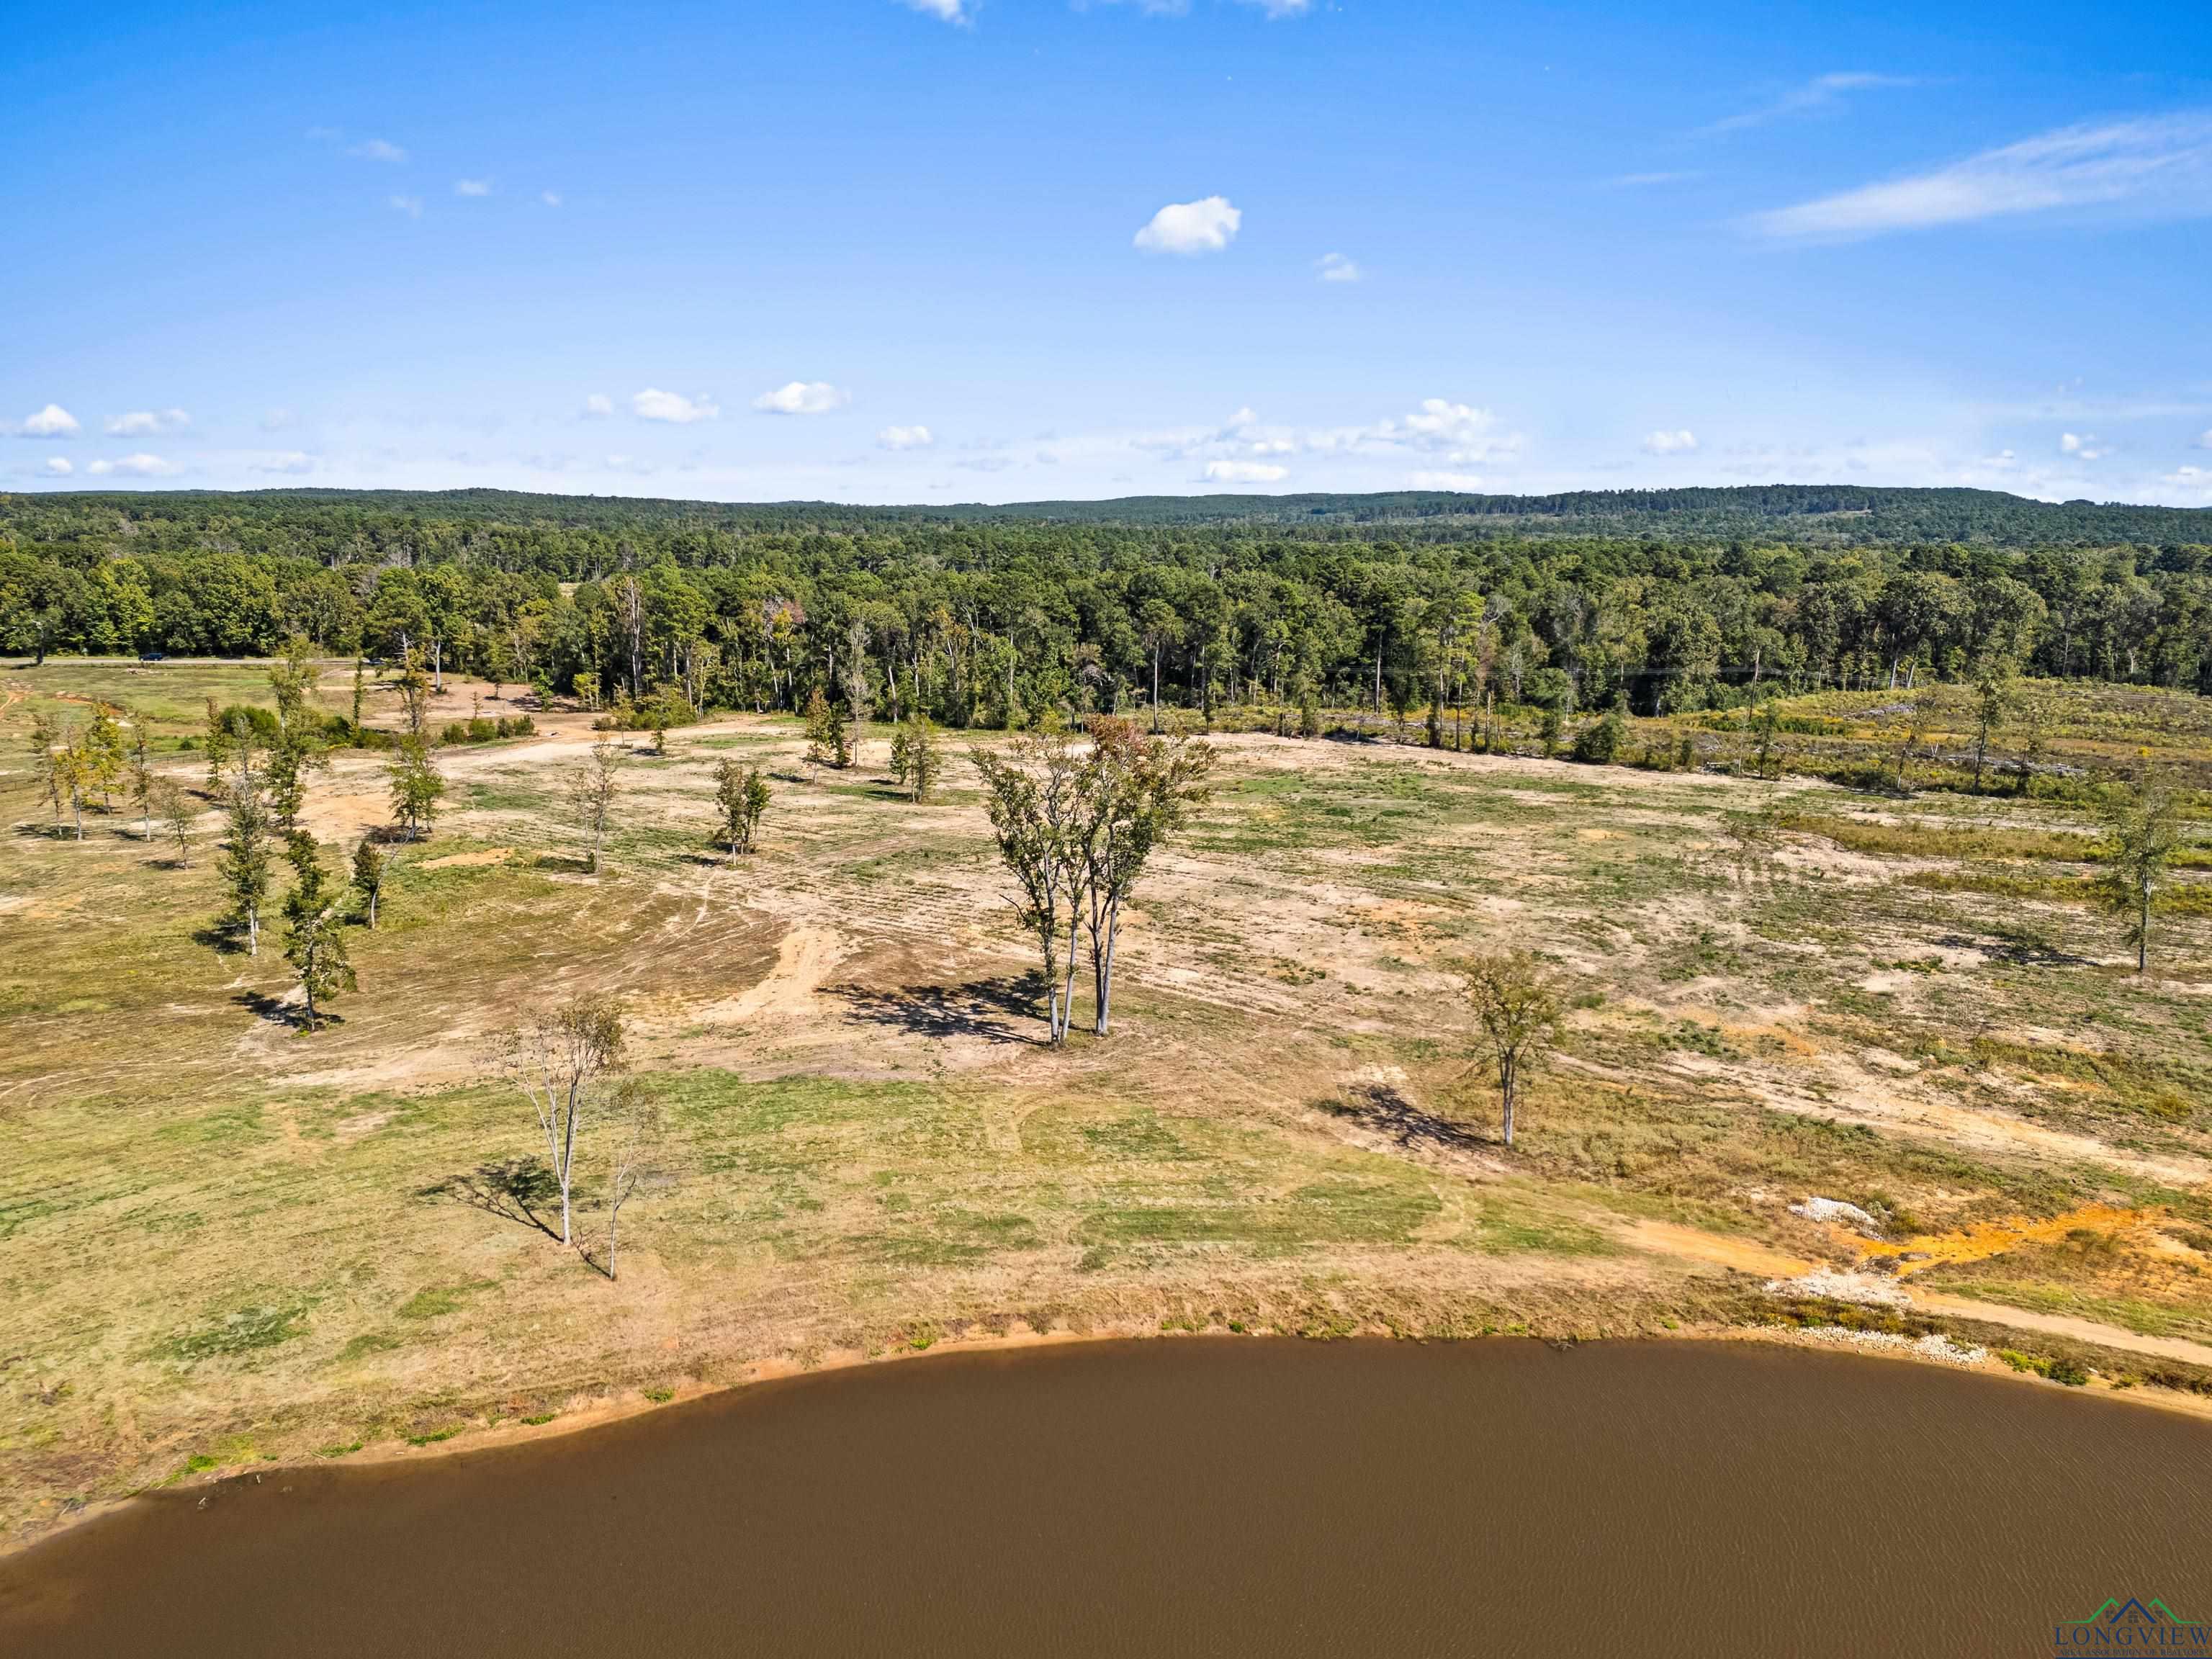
(995, 615)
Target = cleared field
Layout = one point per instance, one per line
(223, 1239)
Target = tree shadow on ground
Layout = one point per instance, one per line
(277, 1012)
(564, 863)
(1379, 1106)
(979, 1008)
(514, 1189)
(2017, 947)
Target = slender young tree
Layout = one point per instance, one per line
(246, 853)
(372, 868)
(46, 743)
(634, 1134)
(2142, 827)
(917, 756)
(415, 784)
(1514, 1000)
(1992, 702)
(1031, 795)
(829, 734)
(178, 811)
(1132, 793)
(104, 756)
(565, 1061)
(741, 796)
(314, 936)
(141, 778)
(593, 787)
(73, 775)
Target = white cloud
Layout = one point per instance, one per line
(59, 466)
(654, 404)
(137, 466)
(51, 422)
(276, 420)
(1646, 180)
(599, 406)
(1467, 433)
(1335, 268)
(1670, 443)
(2204, 439)
(2080, 447)
(378, 149)
(2159, 167)
(1206, 226)
(472, 186)
(1282, 7)
(905, 437)
(950, 11)
(2196, 479)
(1245, 472)
(140, 422)
(1466, 483)
(287, 461)
(1822, 91)
(409, 205)
(550, 197)
(803, 398)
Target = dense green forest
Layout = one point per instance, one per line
(1662, 599)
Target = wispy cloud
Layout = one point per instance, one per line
(377, 150)
(409, 205)
(2082, 447)
(803, 398)
(472, 186)
(136, 466)
(654, 404)
(1245, 472)
(2160, 167)
(1336, 268)
(1206, 226)
(1822, 91)
(905, 437)
(1649, 180)
(141, 422)
(1679, 442)
(550, 197)
(599, 406)
(950, 11)
(60, 466)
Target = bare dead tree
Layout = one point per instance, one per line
(592, 788)
(564, 1061)
(634, 1135)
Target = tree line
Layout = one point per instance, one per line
(997, 623)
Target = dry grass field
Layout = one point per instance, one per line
(223, 1239)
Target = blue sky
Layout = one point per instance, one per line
(938, 251)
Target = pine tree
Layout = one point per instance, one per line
(917, 757)
(245, 861)
(828, 734)
(371, 869)
(314, 939)
(741, 792)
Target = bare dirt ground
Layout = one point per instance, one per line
(223, 1239)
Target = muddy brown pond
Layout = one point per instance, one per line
(1199, 1497)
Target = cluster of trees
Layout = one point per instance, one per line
(1076, 826)
(658, 610)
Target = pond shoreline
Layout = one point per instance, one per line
(600, 1411)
